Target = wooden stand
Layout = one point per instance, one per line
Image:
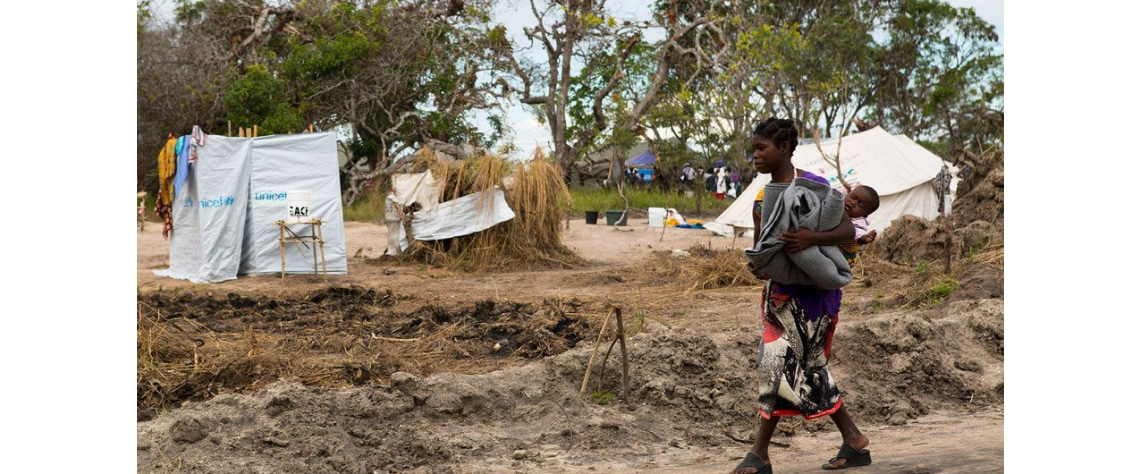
(315, 236)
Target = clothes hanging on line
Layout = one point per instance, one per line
(167, 163)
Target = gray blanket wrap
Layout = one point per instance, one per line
(802, 204)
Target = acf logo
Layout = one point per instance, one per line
(219, 202)
(298, 211)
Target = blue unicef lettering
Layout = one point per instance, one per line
(188, 202)
(214, 203)
(269, 196)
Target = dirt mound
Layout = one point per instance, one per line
(982, 198)
(902, 365)
(977, 218)
(911, 240)
(686, 388)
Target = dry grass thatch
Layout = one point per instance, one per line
(532, 239)
(707, 269)
(992, 255)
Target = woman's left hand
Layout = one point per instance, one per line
(795, 241)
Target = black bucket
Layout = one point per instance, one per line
(591, 217)
(612, 217)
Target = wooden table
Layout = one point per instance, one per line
(315, 237)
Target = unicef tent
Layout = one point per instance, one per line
(902, 171)
(283, 163)
(209, 213)
(225, 214)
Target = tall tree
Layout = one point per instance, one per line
(571, 33)
(396, 75)
(938, 62)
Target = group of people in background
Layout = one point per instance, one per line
(723, 181)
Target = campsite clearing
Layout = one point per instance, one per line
(357, 394)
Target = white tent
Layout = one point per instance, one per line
(900, 170)
(210, 212)
(225, 215)
(283, 163)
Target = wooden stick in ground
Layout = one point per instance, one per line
(590, 364)
(569, 208)
(602, 372)
(624, 359)
(229, 129)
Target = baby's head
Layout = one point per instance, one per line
(861, 201)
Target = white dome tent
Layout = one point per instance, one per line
(901, 171)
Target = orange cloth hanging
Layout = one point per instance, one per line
(167, 165)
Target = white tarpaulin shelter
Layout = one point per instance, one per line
(225, 215)
(283, 163)
(900, 170)
(417, 187)
(209, 213)
(462, 216)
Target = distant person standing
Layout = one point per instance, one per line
(721, 183)
(394, 219)
(688, 175)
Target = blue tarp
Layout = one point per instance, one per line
(646, 158)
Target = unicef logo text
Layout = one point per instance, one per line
(270, 196)
(219, 202)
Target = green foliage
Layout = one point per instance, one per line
(369, 208)
(257, 98)
(284, 119)
(640, 198)
(938, 290)
(326, 57)
(602, 396)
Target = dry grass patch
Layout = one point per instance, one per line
(533, 239)
(706, 269)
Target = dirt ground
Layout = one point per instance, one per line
(493, 382)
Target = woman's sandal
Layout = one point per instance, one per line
(754, 461)
(854, 457)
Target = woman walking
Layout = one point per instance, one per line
(798, 323)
